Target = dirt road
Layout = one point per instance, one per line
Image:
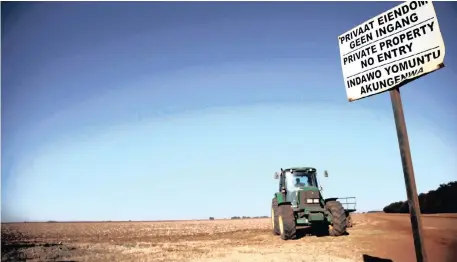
(440, 233)
(375, 237)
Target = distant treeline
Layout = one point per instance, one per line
(441, 200)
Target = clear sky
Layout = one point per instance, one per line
(185, 110)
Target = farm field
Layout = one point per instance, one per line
(375, 237)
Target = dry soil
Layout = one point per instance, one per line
(374, 238)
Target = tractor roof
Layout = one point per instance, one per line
(300, 168)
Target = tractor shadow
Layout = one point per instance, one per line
(368, 258)
(317, 232)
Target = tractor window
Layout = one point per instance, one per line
(301, 180)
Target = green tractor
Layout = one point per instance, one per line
(299, 202)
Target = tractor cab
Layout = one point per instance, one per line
(300, 179)
(293, 180)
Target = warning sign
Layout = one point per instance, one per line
(400, 44)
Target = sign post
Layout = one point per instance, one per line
(408, 171)
(385, 53)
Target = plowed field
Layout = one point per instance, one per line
(375, 237)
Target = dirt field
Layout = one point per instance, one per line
(375, 237)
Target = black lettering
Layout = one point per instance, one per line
(430, 26)
(409, 35)
(395, 52)
(412, 19)
(436, 54)
(360, 54)
(397, 25)
(357, 32)
(407, 69)
(411, 74)
(400, 11)
(365, 78)
(361, 40)
(413, 62)
(390, 82)
(367, 62)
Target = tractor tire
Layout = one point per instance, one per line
(275, 216)
(286, 220)
(338, 226)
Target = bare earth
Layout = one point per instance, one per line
(375, 237)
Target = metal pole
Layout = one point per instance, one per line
(408, 171)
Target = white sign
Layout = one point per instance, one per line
(398, 45)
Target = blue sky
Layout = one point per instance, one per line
(185, 110)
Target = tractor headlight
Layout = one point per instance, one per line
(316, 200)
(309, 201)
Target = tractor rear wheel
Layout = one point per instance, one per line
(338, 226)
(275, 216)
(287, 226)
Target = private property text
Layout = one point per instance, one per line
(387, 45)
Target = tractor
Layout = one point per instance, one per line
(299, 202)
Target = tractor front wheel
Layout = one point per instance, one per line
(275, 216)
(338, 225)
(286, 220)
